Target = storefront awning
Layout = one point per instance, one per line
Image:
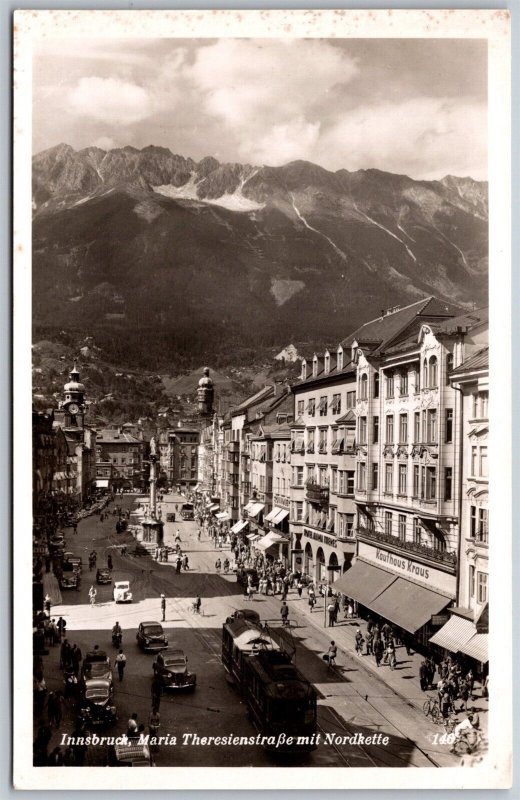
(282, 514)
(239, 526)
(363, 582)
(408, 605)
(222, 515)
(272, 514)
(102, 483)
(253, 537)
(459, 635)
(249, 506)
(214, 507)
(269, 540)
(255, 509)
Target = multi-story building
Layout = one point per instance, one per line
(120, 455)
(407, 463)
(323, 469)
(184, 443)
(467, 629)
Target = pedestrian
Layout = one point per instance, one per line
(284, 612)
(47, 605)
(131, 728)
(330, 610)
(154, 723)
(378, 649)
(185, 562)
(75, 528)
(299, 587)
(53, 714)
(178, 565)
(65, 654)
(332, 652)
(359, 642)
(157, 690)
(369, 643)
(110, 563)
(56, 758)
(423, 676)
(120, 663)
(163, 607)
(92, 595)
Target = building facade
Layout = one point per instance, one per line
(119, 460)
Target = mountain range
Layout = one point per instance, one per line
(167, 259)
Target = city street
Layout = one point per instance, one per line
(352, 697)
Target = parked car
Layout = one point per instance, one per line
(103, 576)
(74, 561)
(96, 666)
(132, 754)
(97, 704)
(122, 593)
(187, 511)
(244, 574)
(150, 636)
(171, 667)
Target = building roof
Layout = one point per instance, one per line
(111, 436)
(348, 417)
(464, 322)
(258, 397)
(349, 369)
(384, 330)
(479, 360)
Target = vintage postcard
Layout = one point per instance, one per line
(262, 419)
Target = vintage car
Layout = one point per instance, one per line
(70, 578)
(248, 575)
(97, 704)
(171, 667)
(74, 561)
(170, 517)
(150, 636)
(103, 576)
(187, 511)
(96, 666)
(122, 593)
(131, 754)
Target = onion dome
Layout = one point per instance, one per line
(74, 385)
(205, 381)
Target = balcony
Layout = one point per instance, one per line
(422, 552)
(316, 493)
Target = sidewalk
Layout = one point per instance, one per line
(404, 680)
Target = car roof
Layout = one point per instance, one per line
(171, 652)
(121, 583)
(97, 654)
(151, 623)
(97, 683)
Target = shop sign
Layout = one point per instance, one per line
(321, 537)
(412, 570)
(439, 619)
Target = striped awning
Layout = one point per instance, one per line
(459, 635)
(272, 514)
(477, 647)
(282, 514)
(255, 509)
(223, 515)
(239, 526)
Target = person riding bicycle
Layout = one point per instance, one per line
(465, 732)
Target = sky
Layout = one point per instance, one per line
(410, 106)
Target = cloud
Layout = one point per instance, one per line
(110, 100)
(283, 143)
(105, 143)
(421, 137)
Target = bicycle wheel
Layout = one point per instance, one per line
(426, 708)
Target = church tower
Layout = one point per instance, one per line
(73, 406)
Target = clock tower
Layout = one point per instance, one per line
(73, 406)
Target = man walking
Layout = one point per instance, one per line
(284, 612)
(121, 664)
(332, 614)
(163, 607)
(332, 652)
(157, 690)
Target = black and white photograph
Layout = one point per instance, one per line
(261, 399)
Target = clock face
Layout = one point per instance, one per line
(73, 408)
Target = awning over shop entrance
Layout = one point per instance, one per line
(282, 514)
(214, 508)
(272, 514)
(255, 509)
(269, 540)
(223, 515)
(363, 582)
(408, 605)
(459, 635)
(239, 526)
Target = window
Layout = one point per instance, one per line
(448, 483)
(375, 476)
(417, 427)
(403, 388)
(362, 430)
(298, 476)
(310, 440)
(483, 465)
(326, 367)
(299, 511)
(375, 430)
(403, 479)
(301, 406)
(349, 525)
(417, 531)
(471, 581)
(389, 478)
(388, 523)
(362, 476)
(339, 356)
(390, 384)
(336, 404)
(389, 429)
(474, 451)
(417, 381)
(473, 522)
(432, 373)
(431, 425)
(311, 407)
(482, 587)
(403, 428)
(484, 400)
(402, 527)
(429, 483)
(350, 483)
(334, 485)
(323, 406)
(449, 367)
(311, 474)
(322, 443)
(425, 374)
(376, 384)
(363, 384)
(322, 476)
(449, 425)
(351, 399)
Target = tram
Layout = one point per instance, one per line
(279, 699)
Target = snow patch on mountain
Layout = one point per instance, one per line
(186, 192)
(235, 201)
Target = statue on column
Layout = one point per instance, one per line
(153, 446)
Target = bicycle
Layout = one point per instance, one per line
(431, 709)
(450, 722)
